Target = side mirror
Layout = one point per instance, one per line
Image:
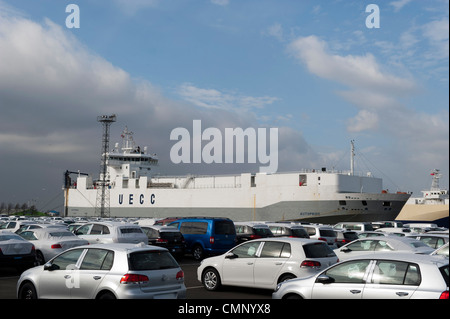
(50, 267)
(324, 279)
(231, 256)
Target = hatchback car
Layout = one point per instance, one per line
(433, 240)
(384, 276)
(106, 271)
(15, 251)
(167, 237)
(321, 232)
(49, 242)
(263, 263)
(250, 230)
(288, 230)
(206, 236)
(375, 245)
(111, 232)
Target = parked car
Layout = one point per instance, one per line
(206, 236)
(344, 237)
(356, 226)
(50, 242)
(384, 276)
(433, 240)
(251, 230)
(40, 225)
(375, 245)
(288, 230)
(15, 251)
(324, 233)
(106, 271)
(263, 263)
(167, 237)
(111, 232)
(376, 233)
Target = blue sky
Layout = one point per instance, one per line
(310, 68)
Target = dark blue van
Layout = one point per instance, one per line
(206, 236)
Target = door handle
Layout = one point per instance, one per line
(354, 291)
(402, 294)
(278, 264)
(67, 277)
(249, 263)
(97, 277)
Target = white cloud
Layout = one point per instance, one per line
(398, 5)
(214, 99)
(220, 2)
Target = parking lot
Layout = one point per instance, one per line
(195, 290)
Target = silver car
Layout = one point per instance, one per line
(106, 271)
(384, 276)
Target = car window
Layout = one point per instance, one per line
(349, 272)
(383, 246)
(327, 233)
(444, 272)
(194, 228)
(318, 250)
(67, 259)
(247, 250)
(363, 245)
(97, 259)
(224, 227)
(151, 260)
(84, 230)
(28, 235)
(389, 272)
(273, 249)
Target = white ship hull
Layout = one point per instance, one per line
(325, 197)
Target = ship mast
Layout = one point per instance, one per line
(435, 183)
(352, 157)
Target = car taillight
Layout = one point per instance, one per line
(162, 241)
(211, 240)
(133, 279)
(255, 237)
(310, 263)
(180, 275)
(444, 295)
(56, 246)
(323, 239)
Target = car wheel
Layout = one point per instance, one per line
(198, 252)
(286, 277)
(27, 291)
(40, 258)
(106, 295)
(211, 279)
(292, 296)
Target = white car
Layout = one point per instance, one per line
(383, 276)
(106, 271)
(375, 245)
(15, 251)
(49, 242)
(263, 263)
(111, 232)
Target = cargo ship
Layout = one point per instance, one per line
(314, 195)
(433, 206)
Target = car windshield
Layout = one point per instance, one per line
(151, 260)
(417, 244)
(5, 237)
(318, 250)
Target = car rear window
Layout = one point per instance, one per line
(299, 232)
(224, 227)
(130, 230)
(318, 250)
(170, 235)
(151, 260)
(265, 232)
(327, 233)
(444, 272)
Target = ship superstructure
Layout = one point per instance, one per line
(319, 195)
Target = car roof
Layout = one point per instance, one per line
(404, 256)
(289, 240)
(162, 228)
(124, 247)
